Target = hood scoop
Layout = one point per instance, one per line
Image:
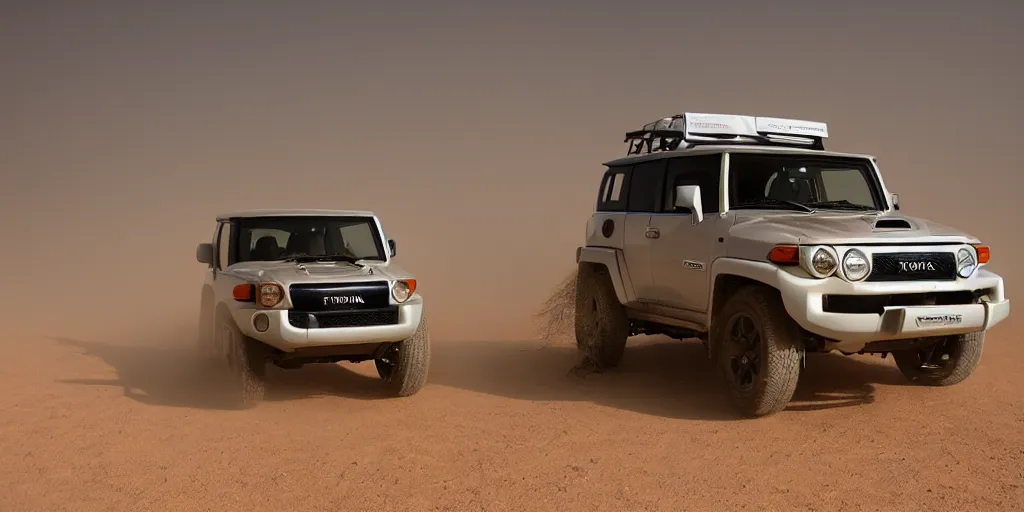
(892, 223)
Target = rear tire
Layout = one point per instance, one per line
(601, 323)
(925, 365)
(757, 349)
(245, 361)
(404, 366)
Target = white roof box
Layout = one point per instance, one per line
(698, 128)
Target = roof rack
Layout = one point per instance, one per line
(694, 129)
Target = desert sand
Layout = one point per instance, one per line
(95, 424)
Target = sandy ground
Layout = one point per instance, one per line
(102, 425)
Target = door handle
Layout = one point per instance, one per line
(652, 233)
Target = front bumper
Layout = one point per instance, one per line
(803, 299)
(285, 337)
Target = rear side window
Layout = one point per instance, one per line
(613, 190)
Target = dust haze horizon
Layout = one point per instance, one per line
(475, 131)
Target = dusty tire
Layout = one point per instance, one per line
(405, 365)
(600, 320)
(245, 363)
(925, 365)
(757, 349)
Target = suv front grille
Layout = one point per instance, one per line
(334, 319)
(913, 266)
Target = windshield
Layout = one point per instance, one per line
(802, 182)
(280, 238)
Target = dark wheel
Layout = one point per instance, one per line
(404, 365)
(947, 361)
(245, 361)
(601, 323)
(757, 349)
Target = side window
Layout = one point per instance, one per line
(701, 170)
(223, 245)
(613, 186)
(646, 185)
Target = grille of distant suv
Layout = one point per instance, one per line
(330, 305)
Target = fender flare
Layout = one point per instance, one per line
(614, 262)
(762, 272)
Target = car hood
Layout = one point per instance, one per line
(287, 273)
(843, 228)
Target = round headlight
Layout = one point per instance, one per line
(270, 295)
(823, 262)
(855, 265)
(965, 263)
(401, 291)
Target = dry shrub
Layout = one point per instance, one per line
(557, 314)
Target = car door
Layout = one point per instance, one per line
(682, 253)
(644, 200)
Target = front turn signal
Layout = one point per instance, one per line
(784, 255)
(984, 253)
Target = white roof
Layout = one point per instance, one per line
(295, 213)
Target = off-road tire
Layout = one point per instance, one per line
(778, 351)
(406, 376)
(964, 352)
(245, 361)
(600, 320)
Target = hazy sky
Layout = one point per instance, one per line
(475, 130)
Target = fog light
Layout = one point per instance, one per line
(261, 322)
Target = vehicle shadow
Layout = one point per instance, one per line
(657, 376)
(172, 375)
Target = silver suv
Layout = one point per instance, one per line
(746, 233)
(292, 287)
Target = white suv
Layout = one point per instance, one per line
(293, 287)
(746, 233)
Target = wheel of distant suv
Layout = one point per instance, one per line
(757, 349)
(947, 361)
(404, 365)
(601, 323)
(245, 362)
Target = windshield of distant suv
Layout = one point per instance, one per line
(281, 238)
(802, 182)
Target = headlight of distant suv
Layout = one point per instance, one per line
(402, 290)
(966, 262)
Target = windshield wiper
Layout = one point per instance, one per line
(774, 202)
(306, 258)
(842, 204)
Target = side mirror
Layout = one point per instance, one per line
(895, 201)
(688, 196)
(204, 254)
(393, 247)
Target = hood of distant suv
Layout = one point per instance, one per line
(316, 272)
(842, 227)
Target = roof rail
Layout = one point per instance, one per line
(694, 129)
